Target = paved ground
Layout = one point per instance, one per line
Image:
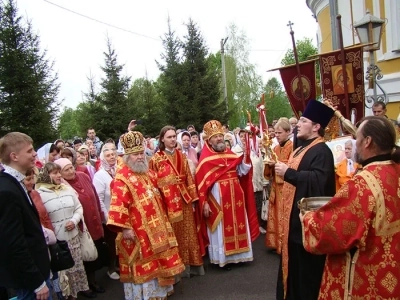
(255, 280)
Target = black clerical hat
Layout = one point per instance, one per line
(318, 113)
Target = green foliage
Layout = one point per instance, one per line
(171, 77)
(189, 85)
(28, 85)
(244, 85)
(68, 126)
(113, 100)
(278, 105)
(202, 84)
(148, 105)
(305, 49)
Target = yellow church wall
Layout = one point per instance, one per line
(383, 17)
(389, 66)
(392, 110)
(325, 27)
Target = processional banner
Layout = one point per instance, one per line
(294, 89)
(332, 82)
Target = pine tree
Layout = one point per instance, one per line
(202, 83)
(28, 84)
(171, 77)
(113, 97)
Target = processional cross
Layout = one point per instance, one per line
(290, 24)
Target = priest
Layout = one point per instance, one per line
(359, 228)
(228, 208)
(310, 172)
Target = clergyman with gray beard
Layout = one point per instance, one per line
(137, 213)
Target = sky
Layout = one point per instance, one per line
(76, 43)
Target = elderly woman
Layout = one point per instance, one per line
(92, 213)
(347, 167)
(83, 159)
(65, 212)
(101, 181)
(70, 154)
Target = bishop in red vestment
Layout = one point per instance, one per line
(147, 247)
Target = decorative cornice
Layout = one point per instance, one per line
(317, 5)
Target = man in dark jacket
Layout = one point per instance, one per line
(24, 258)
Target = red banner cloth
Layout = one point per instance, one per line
(333, 80)
(293, 88)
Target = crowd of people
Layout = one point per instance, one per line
(155, 206)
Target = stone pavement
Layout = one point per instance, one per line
(253, 280)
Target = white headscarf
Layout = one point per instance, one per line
(105, 165)
(233, 138)
(44, 152)
(179, 139)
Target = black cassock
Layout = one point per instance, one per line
(314, 177)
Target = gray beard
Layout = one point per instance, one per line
(220, 147)
(139, 167)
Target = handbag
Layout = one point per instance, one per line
(63, 282)
(88, 248)
(61, 258)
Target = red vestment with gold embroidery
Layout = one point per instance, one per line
(359, 229)
(178, 190)
(234, 210)
(136, 204)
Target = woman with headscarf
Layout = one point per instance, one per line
(29, 182)
(347, 167)
(92, 213)
(101, 181)
(83, 159)
(240, 139)
(47, 153)
(183, 138)
(65, 212)
(231, 138)
(70, 153)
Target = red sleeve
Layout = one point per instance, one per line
(341, 224)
